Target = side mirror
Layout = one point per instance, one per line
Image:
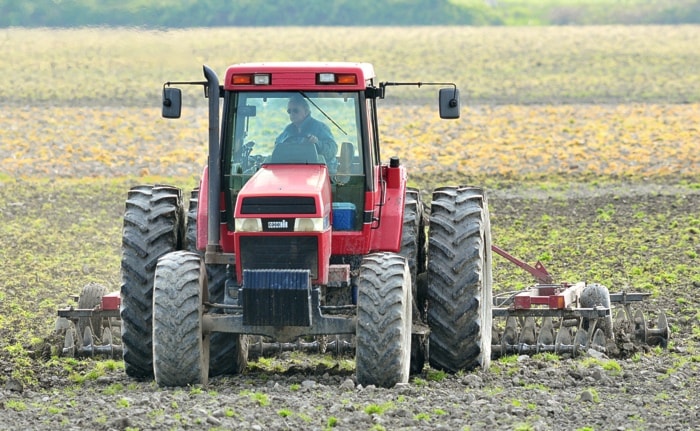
(449, 103)
(172, 102)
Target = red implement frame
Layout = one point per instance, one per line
(553, 296)
(538, 271)
(544, 293)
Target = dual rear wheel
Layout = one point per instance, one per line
(459, 280)
(453, 291)
(155, 225)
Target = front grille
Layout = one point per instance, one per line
(278, 205)
(280, 252)
(276, 297)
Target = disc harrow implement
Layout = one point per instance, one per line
(571, 319)
(90, 331)
(563, 319)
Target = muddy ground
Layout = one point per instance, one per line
(645, 388)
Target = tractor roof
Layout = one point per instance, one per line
(298, 76)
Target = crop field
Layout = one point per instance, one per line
(511, 65)
(586, 138)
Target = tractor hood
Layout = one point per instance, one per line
(286, 191)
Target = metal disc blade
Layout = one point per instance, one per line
(69, 341)
(69, 344)
(620, 316)
(87, 337)
(563, 339)
(580, 340)
(106, 336)
(495, 333)
(527, 334)
(62, 324)
(510, 334)
(598, 341)
(659, 336)
(663, 322)
(546, 335)
(640, 326)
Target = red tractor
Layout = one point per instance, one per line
(298, 231)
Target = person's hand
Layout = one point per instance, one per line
(311, 139)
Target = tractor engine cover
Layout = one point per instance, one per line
(276, 297)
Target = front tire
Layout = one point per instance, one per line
(180, 348)
(153, 227)
(459, 280)
(384, 315)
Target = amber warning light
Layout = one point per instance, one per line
(336, 78)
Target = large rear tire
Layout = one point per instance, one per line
(384, 314)
(414, 243)
(459, 280)
(153, 227)
(180, 349)
(413, 248)
(410, 235)
(228, 353)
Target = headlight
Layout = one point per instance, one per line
(248, 225)
(308, 225)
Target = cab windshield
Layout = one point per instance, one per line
(294, 127)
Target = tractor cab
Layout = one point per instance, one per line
(300, 167)
(296, 169)
(260, 130)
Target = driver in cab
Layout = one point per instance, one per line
(306, 130)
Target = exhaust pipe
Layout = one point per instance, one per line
(214, 189)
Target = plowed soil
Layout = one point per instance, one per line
(648, 388)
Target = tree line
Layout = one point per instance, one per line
(210, 13)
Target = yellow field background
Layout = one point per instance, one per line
(562, 103)
(531, 142)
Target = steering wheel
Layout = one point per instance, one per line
(296, 140)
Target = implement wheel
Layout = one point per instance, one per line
(384, 313)
(459, 280)
(597, 295)
(153, 227)
(180, 349)
(89, 298)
